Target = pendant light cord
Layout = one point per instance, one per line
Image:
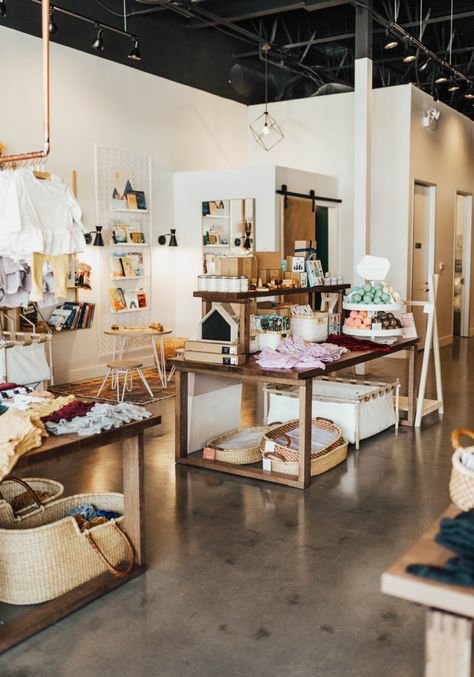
(266, 82)
(451, 37)
(125, 15)
(421, 21)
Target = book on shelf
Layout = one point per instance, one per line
(127, 265)
(72, 315)
(117, 266)
(120, 233)
(118, 299)
(141, 296)
(135, 235)
(131, 300)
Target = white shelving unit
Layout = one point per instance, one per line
(113, 168)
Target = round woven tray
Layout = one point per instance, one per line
(285, 459)
(239, 455)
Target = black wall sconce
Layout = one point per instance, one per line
(172, 236)
(98, 239)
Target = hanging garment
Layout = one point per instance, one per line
(50, 217)
(10, 217)
(59, 265)
(15, 283)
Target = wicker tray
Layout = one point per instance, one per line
(41, 490)
(461, 483)
(330, 448)
(229, 447)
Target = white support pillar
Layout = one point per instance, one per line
(362, 158)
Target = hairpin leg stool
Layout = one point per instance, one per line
(126, 368)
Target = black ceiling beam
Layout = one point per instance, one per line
(242, 10)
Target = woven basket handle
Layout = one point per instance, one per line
(285, 437)
(456, 434)
(275, 455)
(26, 487)
(120, 573)
(321, 418)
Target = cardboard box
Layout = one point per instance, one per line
(302, 246)
(301, 278)
(238, 265)
(216, 347)
(295, 264)
(269, 260)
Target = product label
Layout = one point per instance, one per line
(267, 464)
(269, 445)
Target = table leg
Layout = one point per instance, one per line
(163, 361)
(448, 644)
(133, 490)
(244, 326)
(157, 363)
(412, 357)
(305, 411)
(340, 298)
(181, 415)
(122, 347)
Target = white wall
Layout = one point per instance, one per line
(445, 158)
(95, 100)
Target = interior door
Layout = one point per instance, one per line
(299, 224)
(421, 264)
(462, 264)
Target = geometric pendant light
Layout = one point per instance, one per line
(265, 129)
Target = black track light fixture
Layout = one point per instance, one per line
(453, 85)
(408, 56)
(469, 94)
(390, 41)
(424, 66)
(98, 43)
(134, 54)
(3, 8)
(52, 25)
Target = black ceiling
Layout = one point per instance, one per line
(214, 44)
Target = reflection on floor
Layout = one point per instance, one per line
(260, 580)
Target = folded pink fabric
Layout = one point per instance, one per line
(295, 352)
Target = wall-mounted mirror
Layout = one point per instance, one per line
(228, 227)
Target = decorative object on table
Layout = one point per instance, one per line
(294, 352)
(239, 447)
(173, 242)
(26, 493)
(461, 484)
(455, 534)
(315, 272)
(279, 447)
(360, 408)
(271, 329)
(309, 324)
(48, 555)
(82, 277)
(220, 324)
(87, 389)
(299, 279)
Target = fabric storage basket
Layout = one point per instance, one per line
(360, 408)
(44, 554)
(239, 446)
(461, 483)
(40, 491)
(312, 328)
(328, 447)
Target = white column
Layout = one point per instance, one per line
(362, 158)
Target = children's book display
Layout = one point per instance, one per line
(129, 264)
(127, 300)
(72, 315)
(124, 233)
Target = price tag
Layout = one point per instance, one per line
(269, 445)
(267, 464)
(209, 454)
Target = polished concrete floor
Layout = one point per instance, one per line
(253, 579)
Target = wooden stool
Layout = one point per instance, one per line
(125, 367)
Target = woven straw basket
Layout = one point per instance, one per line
(233, 452)
(461, 484)
(11, 487)
(285, 460)
(44, 554)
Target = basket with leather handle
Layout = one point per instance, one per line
(45, 554)
(28, 494)
(277, 446)
(461, 483)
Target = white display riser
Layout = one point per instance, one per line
(360, 408)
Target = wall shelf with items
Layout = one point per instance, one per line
(124, 172)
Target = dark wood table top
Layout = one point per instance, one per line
(232, 297)
(58, 445)
(252, 371)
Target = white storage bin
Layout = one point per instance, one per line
(213, 408)
(360, 408)
(313, 328)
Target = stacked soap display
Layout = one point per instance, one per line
(373, 293)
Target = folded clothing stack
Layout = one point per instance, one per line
(296, 352)
(19, 433)
(456, 534)
(100, 417)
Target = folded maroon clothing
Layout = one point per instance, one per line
(7, 386)
(355, 344)
(69, 411)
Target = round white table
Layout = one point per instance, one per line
(121, 335)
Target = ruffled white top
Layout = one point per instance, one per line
(38, 215)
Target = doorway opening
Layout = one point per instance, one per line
(462, 264)
(423, 243)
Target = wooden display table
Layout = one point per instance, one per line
(130, 437)
(244, 298)
(450, 608)
(125, 333)
(253, 373)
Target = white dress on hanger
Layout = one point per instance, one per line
(49, 214)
